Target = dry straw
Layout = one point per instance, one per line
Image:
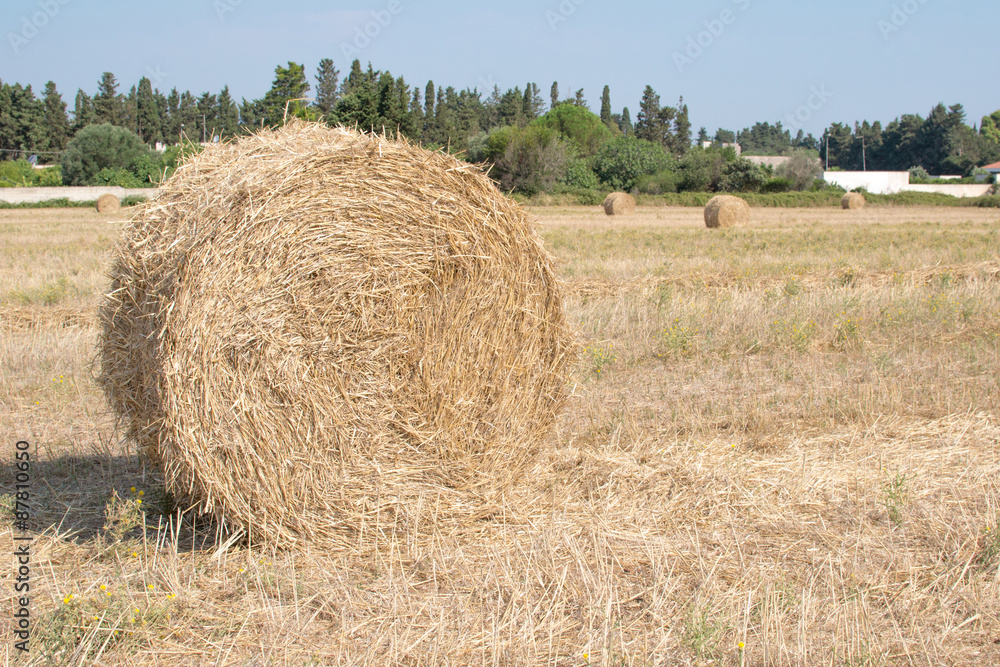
(108, 203)
(619, 203)
(726, 211)
(853, 200)
(334, 338)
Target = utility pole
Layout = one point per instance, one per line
(864, 160)
(203, 122)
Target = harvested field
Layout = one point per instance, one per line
(781, 448)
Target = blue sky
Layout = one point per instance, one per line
(734, 61)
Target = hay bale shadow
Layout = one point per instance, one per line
(71, 496)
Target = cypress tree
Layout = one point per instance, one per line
(606, 106)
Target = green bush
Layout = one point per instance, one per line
(802, 169)
(120, 177)
(20, 174)
(701, 169)
(580, 175)
(98, 147)
(16, 173)
(742, 176)
(579, 126)
(622, 160)
(657, 184)
(527, 160)
(50, 177)
(919, 175)
(777, 184)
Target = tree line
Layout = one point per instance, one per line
(532, 144)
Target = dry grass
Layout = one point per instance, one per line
(784, 436)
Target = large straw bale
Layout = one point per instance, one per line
(334, 338)
(108, 203)
(619, 203)
(852, 201)
(726, 211)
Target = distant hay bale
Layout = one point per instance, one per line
(108, 203)
(853, 200)
(619, 203)
(726, 211)
(334, 338)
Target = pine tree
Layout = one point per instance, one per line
(353, 78)
(407, 122)
(417, 113)
(606, 106)
(649, 121)
(359, 107)
(444, 116)
(206, 120)
(429, 100)
(171, 118)
(702, 136)
(187, 117)
(390, 114)
(289, 84)
(491, 109)
(252, 116)
(8, 128)
(511, 108)
(56, 121)
(83, 111)
(724, 136)
(578, 99)
(327, 86)
(668, 139)
(28, 114)
(554, 95)
(107, 101)
(469, 118)
(149, 122)
(228, 122)
(130, 111)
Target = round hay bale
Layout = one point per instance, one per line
(619, 203)
(334, 338)
(852, 201)
(726, 211)
(108, 203)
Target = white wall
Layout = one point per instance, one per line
(953, 190)
(890, 182)
(35, 195)
(876, 182)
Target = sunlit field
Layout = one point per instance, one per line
(781, 449)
